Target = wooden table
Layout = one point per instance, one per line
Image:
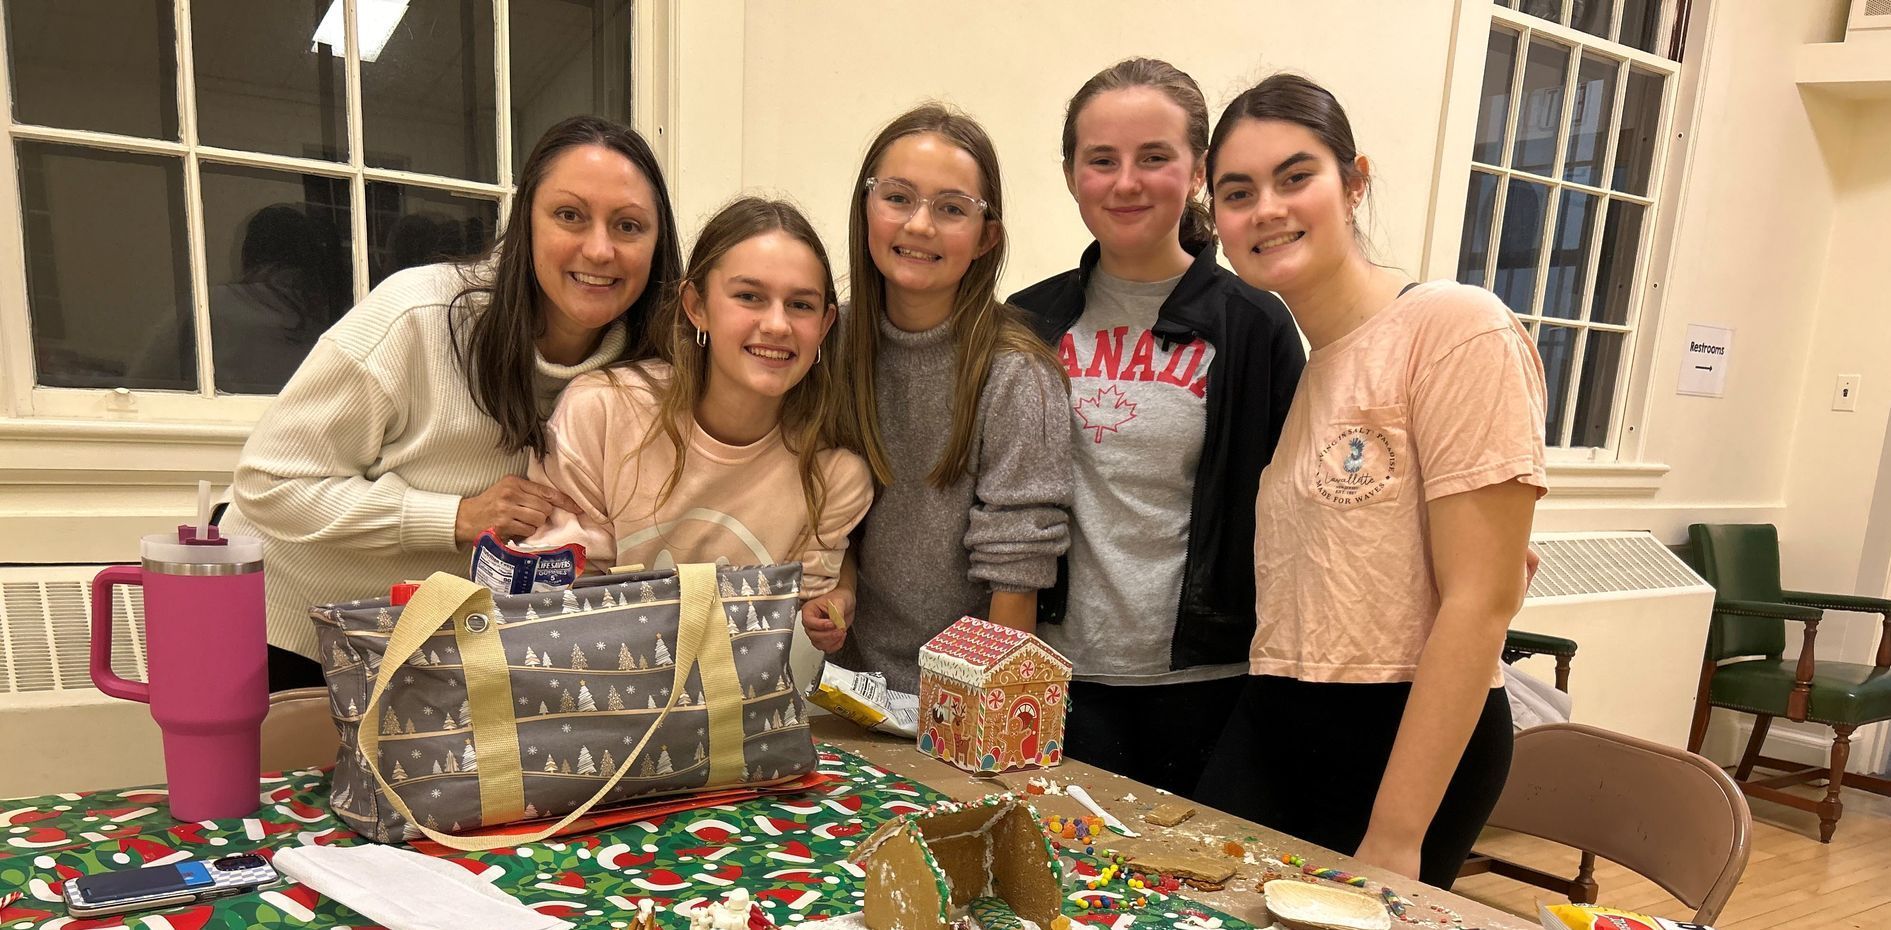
(1203, 834)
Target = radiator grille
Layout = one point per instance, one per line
(1606, 564)
(1878, 7)
(46, 629)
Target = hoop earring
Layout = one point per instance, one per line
(702, 339)
(817, 355)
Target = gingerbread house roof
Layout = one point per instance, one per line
(966, 650)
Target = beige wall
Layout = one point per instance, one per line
(819, 80)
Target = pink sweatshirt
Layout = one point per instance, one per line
(739, 503)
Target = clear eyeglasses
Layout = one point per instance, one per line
(897, 201)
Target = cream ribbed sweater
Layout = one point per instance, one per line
(354, 476)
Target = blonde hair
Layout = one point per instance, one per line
(813, 416)
(981, 326)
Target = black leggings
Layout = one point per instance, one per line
(1306, 758)
(1159, 735)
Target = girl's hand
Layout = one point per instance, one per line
(1389, 854)
(513, 507)
(817, 616)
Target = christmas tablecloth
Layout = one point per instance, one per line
(790, 853)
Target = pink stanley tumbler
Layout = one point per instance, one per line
(208, 664)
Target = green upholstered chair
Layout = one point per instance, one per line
(1744, 669)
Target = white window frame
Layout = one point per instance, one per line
(1616, 467)
(23, 399)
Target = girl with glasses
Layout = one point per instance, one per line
(1181, 377)
(1392, 522)
(960, 410)
(729, 443)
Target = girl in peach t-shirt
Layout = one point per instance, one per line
(1392, 523)
(725, 447)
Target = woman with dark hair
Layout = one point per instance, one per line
(1392, 523)
(407, 430)
(1180, 378)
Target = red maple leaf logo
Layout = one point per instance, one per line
(1109, 409)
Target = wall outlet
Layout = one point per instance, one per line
(1845, 396)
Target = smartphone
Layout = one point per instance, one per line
(167, 885)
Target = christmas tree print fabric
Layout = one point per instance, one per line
(590, 670)
(789, 853)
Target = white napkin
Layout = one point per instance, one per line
(404, 890)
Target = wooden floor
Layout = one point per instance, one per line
(1791, 881)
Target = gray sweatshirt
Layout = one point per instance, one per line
(928, 556)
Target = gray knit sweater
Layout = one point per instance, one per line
(929, 556)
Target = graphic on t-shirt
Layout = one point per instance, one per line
(697, 530)
(1144, 364)
(1105, 411)
(1355, 466)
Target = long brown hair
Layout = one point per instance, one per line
(981, 326)
(812, 414)
(498, 350)
(1198, 225)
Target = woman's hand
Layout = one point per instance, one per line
(513, 506)
(1389, 854)
(818, 618)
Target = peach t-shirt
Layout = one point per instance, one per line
(740, 503)
(1439, 393)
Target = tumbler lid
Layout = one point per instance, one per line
(237, 554)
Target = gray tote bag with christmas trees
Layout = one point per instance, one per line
(463, 709)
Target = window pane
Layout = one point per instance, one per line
(1641, 25)
(1480, 204)
(427, 96)
(107, 268)
(1641, 118)
(276, 250)
(409, 226)
(1569, 254)
(261, 85)
(1551, 10)
(1519, 244)
(1595, 397)
(1557, 345)
(1615, 272)
(107, 65)
(569, 57)
(1592, 16)
(1589, 120)
(1493, 108)
(1543, 72)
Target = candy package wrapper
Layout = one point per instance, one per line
(507, 570)
(863, 698)
(1594, 917)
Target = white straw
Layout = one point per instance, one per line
(203, 510)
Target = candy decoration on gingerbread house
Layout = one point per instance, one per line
(991, 698)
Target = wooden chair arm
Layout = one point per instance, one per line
(1799, 703)
(1854, 603)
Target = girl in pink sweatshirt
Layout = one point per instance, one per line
(727, 444)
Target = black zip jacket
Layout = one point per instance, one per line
(1257, 364)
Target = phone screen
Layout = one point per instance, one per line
(138, 883)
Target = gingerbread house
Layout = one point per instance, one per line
(991, 698)
(927, 869)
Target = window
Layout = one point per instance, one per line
(1565, 179)
(206, 185)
